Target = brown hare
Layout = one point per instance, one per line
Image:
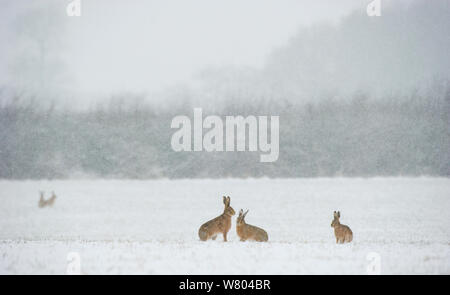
(249, 232)
(51, 200)
(219, 225)
(342, 232)
(41, 203)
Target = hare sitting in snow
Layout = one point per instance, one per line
(342, 232)
(51, 200)
(249, 232)
(219, 225)
(41, 202)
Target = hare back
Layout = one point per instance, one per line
(346, 229)
(251, 232)
(343, 233)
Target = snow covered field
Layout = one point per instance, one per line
(150, 227)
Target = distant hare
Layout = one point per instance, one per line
(41, 203)
(249, 232)
(51, 200)
(342, 232)
(219, 225)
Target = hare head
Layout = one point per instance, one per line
(241, 217)
(336, 216)
(228, 209)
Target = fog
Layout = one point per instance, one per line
(95, 95)
(142, 47)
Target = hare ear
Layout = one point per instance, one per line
(245, 213)
(228, 201)
(339, 214)
(224, 200)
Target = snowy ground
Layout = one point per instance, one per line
(150, 227)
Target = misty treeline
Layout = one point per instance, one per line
(369, 96)
(356, 137)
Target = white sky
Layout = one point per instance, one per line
(145, 46)
(149, 46)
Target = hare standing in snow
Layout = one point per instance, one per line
(51, 200)
(249, 232)
(342, 232)
(219, 225)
